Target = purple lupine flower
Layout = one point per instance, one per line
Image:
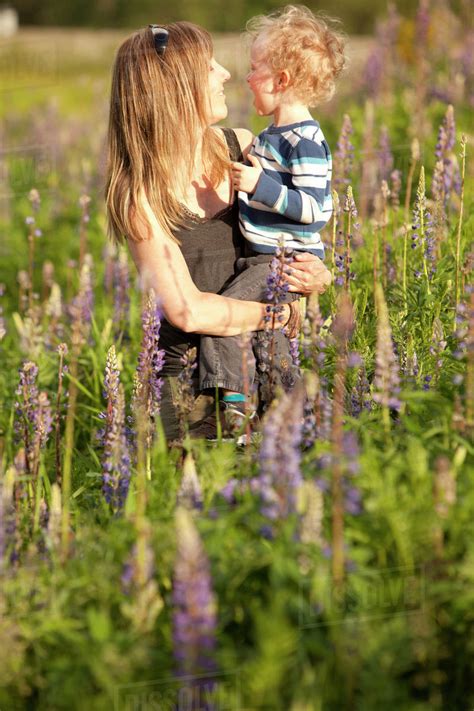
(280, 455)
(277, 286)
(437, 183)
(343, 258)
(130, 574)
(326, 412)
(26, 409)
(190, 492)
(82, 305)
(147, 383)
(121, 291)
(422, 24)
(228, 491)
(385, 154)
(44, 422)
(422, 226)
(446, 134)
(116, 456)
(295, 350)
(446, 176)
(427, 381)
(9, 542)
(194, 604)
(387, 378)
(374, 69)
(350, 449)
(360, 396)
(184, 397)
(464, 335)
(277, 290)
(309, 429)
(344, 155)
(350, 467)
(381, 59)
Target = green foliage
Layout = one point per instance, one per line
(398, 633)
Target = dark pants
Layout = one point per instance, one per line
(224, 360)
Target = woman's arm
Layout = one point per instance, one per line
(162, 267)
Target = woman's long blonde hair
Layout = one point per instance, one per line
(159, 109)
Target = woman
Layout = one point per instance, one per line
(170, 194)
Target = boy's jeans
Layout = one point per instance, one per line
(221, 358)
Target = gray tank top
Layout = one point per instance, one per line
(210, 248)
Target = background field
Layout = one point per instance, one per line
(330, 565)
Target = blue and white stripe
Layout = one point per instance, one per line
(292, 200)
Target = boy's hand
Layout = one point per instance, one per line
(245, 177)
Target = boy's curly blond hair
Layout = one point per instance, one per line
(306, 46)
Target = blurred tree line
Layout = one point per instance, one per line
(358, 16)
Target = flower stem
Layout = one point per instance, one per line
(457, 290)
(57, 424)
(411, 173)
(68, 450)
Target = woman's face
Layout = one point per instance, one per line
(217, 78)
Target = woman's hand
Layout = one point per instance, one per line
(308, 274)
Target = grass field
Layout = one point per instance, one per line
(330, 565)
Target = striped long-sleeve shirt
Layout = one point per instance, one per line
(292, 198)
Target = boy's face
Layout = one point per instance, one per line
(262, 81)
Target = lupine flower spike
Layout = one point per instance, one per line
(190, 493)
(195, 615)
(116, 457)
(385, 154)
(387, 377)
(183, 396)
(422, 236)
(342, 331)
(33, 421)
(459, 228)
(415, 157)
(279, 458)
(143, 601)
(80, 311)
(277, 289)
(147, 383)
(33, 231)
(344, 156)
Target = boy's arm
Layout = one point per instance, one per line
(310, 170)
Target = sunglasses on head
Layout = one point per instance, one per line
(160, 37)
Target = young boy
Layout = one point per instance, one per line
(285, 192)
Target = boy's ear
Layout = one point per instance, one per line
(283, 80)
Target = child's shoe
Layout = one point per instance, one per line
(234, 422)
